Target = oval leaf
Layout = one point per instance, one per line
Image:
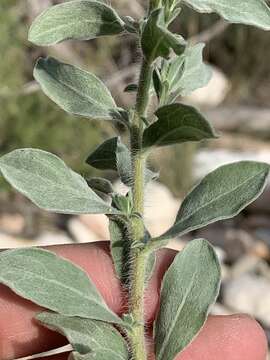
(54, 283)
(157, 40)
(188, 72)
(50, 184)
(104, 156)
(249, 12)
(113, 155)
(177, 123)
(87, 335)
(76, 91)
(220, 195)
(78, 20)
(98, 355)
(189, 287)
(101, 185)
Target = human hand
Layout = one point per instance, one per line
(235, 337)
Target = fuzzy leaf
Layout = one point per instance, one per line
(98, 355)
(189, 287)
(177, 123)
(112, 155)
(220, 195)
(76, 91)
(131, 88)
(101, 185)
(157, 83)
(54, 283)
(157, 40)
(249, 12)
(50, 184)
(105, 155)
(87, 335)
(77, 20)
(188, 72)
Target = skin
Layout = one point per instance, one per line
(234, 337)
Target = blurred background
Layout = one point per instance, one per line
(236, 101)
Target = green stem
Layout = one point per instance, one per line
(139, 259)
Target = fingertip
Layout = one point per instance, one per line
(234, 337)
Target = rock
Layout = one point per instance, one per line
(219, 309)
(98, 225)
(160, 212)
(256, 221)
(214, 93)
(12, 224)
(246, 264)
(176, 244)
(81, 232)
(207, 160)
(45, 239)
(9, 241)
(250, 294)
(226, 235)
(253, 121)
(160, 208)
(52, 238)
(262, 204)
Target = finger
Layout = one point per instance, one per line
(20, 335)
(235, 337)
(24, 336)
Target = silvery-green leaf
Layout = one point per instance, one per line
(54, 283)
(98, 355)
(124, 164)
(78, 20)
(190, 286)
(101, 185)
(50, 184)
(157, 83)
(249, 12)
(177, 123)
(222, 194)
(131, 25)
(131, 88)
(150, 266)
(76, 91)
(113, 155)
(87, 335)
(157, 40)
(188, 72)
(104, 156)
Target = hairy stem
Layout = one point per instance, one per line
(138, 267)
